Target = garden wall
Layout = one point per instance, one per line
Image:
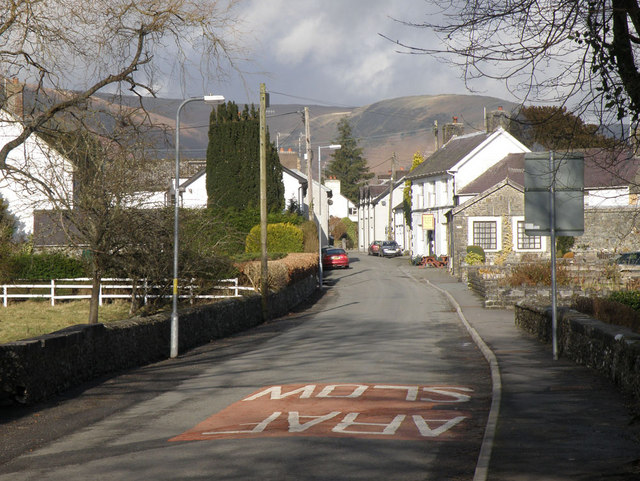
(35, 369)
(612, 350)
(492, 289)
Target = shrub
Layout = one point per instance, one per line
(292, 268)
(564, 245)
(609, 310)
(628, 298)
(344, 228)
(534, 274)
(280, 238)
(478, 251)
(473, 259)
(46, 266)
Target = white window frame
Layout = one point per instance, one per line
(497, 220)
(514, 233)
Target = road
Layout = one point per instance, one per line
(377, 379)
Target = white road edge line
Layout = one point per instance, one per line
(482, 466)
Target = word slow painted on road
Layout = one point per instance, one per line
(375, 411)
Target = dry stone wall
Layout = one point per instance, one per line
(35, 369)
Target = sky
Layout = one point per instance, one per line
(330, 52)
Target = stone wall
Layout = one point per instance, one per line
(612, 350)
(610, 230)
(598, 279)
(35, 369)
(492, 289)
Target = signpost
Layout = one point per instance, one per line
(554, 205)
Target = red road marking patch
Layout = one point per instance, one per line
(374, 411)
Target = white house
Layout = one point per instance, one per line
(339, 205)
(374, 209)
(437, 182)
(22, 193)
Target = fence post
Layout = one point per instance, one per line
(53, 292)
(146, 285)
(4, 295)
(100, 293)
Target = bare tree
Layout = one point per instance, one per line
(68, 50)
(584, 54)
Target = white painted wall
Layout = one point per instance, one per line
(22, 194)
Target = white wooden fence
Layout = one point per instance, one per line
(110, 289)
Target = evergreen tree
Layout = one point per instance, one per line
(348, 164)
(233, 161)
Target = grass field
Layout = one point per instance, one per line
(23, 320)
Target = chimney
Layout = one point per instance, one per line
(452, 129)
(497, 118)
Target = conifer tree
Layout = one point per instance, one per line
(233, 161)
(348, 164)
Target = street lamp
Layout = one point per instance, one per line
(332, 147)
(211, 100)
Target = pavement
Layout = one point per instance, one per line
(556, 420)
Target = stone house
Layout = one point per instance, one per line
(492, 216)
(438, 182)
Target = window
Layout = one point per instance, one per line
(485, 234)
(527, 242)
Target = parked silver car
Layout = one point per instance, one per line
(390, 249)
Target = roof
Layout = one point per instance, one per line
(602, 169)
(296, 174)
(449, 154)
(485, 193)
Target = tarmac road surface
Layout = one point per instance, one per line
(378, 379)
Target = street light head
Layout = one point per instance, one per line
(213, 99)
(335, 146)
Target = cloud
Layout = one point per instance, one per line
(332, 51)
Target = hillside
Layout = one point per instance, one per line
(402, 125)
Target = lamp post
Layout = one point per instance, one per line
(211, 100)
(332, 147)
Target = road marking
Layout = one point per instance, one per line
(373, 411)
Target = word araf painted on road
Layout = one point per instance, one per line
(339, 410)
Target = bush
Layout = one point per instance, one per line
(473, 259)
(535, 274)
(280, 238)
(564, 245)
(292, 268)
(46, 266)
(479, 251)
(628, 298)
(611, 311)
(344, 228)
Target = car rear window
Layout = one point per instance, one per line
(333, 252)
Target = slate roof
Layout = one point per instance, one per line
(449, 155)
(602, 168)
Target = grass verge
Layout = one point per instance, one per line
(24, 320)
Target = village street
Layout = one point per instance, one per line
(376, 380)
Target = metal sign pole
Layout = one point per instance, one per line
(552, 239)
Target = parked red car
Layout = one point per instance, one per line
(374, 248)
(335, 257)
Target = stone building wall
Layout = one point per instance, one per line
(610, 230)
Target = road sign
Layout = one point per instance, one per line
(557, 175)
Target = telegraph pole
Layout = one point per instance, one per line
(264, 285)
(307, 135)
(393, 179)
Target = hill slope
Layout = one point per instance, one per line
(402, 125)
